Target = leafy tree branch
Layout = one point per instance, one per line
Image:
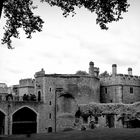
(19, 14)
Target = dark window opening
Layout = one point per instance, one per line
(0, 97)
(50, 103)
(50, 115)
(39, 96)
(131, 90)
(59, 89)
(106, 90)
(50, 89)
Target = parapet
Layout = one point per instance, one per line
(26, 82)
(123, 79)
(3, 85)
(40, 73)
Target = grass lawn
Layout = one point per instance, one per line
(96, 134)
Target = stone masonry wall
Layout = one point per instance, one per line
(83, 89)
(118, 89)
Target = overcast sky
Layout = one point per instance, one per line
(68, 44)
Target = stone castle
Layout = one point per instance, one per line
(57, 102)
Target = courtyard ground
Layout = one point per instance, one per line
(96, 134)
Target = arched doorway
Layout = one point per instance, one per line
(24, 121)
(49, 129)
(2, 123)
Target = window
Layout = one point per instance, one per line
(50, 103)
(39, 96)
(105, 90)
(59, 89)
(50, 115)
(131, 90)
(0, 97)
(50, 89)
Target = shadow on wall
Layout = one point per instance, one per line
(74, 90)
(66, 103)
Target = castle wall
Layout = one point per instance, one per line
(83, 89)
(111, 94)
(41, 110)
(128, 97)
(119, 89)
(26, 86)
(26, 90)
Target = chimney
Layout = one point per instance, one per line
(91, 68)
(114, 69)
(129, 71)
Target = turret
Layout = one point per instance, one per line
(91, 68)
(40, 73)
(129, 71)
(114, 69)
(96, 71)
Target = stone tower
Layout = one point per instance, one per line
(91, 68)
(114, 70)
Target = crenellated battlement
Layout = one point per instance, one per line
(122, 79)
(129, 77)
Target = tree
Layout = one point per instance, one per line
(104, 74)
(80, 72)
(19, 14)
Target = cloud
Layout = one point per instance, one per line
(14, 71)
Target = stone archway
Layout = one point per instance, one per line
(2, 123)
(24, 121)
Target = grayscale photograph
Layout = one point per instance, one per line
(69, 69)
